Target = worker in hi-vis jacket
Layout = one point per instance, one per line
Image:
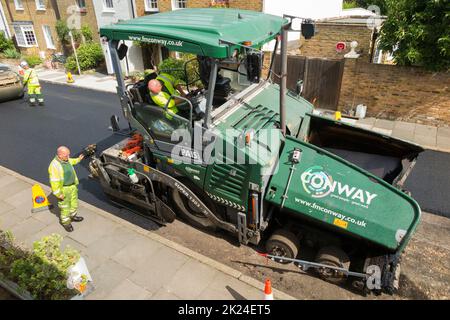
(64, 183)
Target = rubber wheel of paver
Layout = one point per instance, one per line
(335, 257)
(184, 208)
(283, 243)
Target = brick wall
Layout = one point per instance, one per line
(166, 5)
(323, 44)
(394, 92)
(86, 18)
(38, 17)
(49, 18)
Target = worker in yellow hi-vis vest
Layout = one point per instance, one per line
(162, 88)
(64, 183)
(30, 79)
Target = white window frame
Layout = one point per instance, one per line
(176, 3)
(105, 6)
(151, 5)
(40, 5)
(48, 36)
(78, 4)
(22, 27)
(18, 4)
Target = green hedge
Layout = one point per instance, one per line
(33, 60)
(90, 55)
(5, 44)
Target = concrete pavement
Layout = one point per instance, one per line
(95, 81)
(125, 261)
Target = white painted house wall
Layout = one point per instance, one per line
(4, 23)
(314, 9)
(122, 10)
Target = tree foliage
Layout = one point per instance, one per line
(5, 43)
(348, 4)
(417, 32)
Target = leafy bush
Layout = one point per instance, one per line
(11, 53)
(90, 55)
(42, 272)
(87, 33)
(33, 60)
(5, 44)
(175, 67)
(63, 31)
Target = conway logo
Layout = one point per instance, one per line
(319, 184)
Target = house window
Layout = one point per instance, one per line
(108, 5)
(81, 4)
(25, 35)
(151, 5)
(40, 5)
(48, 37)
(178, 4)
(18, 4)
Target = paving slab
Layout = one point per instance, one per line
(13, 188)
(443, 132)
(164, 294)
(224, 287)
(164, 263)
(406, 126)
(92, 229)
(137, 254)
(423, 130)
(367, 121)
(27, 227)
(384, 124)
(46, 217)
(128, 290)
(190, 281)
(7, 179)
(9, 220)
(443, 143)
(22, 210)
(403, 134)
(107, 277)
(5, 207)
(386, 132)
(55, 227)
(426, 141)
(21, 198)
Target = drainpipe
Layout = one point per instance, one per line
(283, 78)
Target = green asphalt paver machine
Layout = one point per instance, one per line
(250, 157)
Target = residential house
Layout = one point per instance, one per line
(33, 22)
(4, 23)
(113, 11)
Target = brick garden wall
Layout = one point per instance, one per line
(323, 44)
(409, 94)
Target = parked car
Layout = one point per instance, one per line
(11, 85)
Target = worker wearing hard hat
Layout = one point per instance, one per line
(30, 79)
(64, 184)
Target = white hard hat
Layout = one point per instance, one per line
(23, 64)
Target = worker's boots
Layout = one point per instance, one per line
(68, 227)
(77, 219)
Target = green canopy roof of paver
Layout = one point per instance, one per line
(199, 31)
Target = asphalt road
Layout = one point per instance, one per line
(78, 117)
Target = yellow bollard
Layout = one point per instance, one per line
(70, 78)
(337, 115)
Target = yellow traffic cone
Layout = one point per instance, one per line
(40, 201)
(70, 78)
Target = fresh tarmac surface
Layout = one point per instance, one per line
(78, 117)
